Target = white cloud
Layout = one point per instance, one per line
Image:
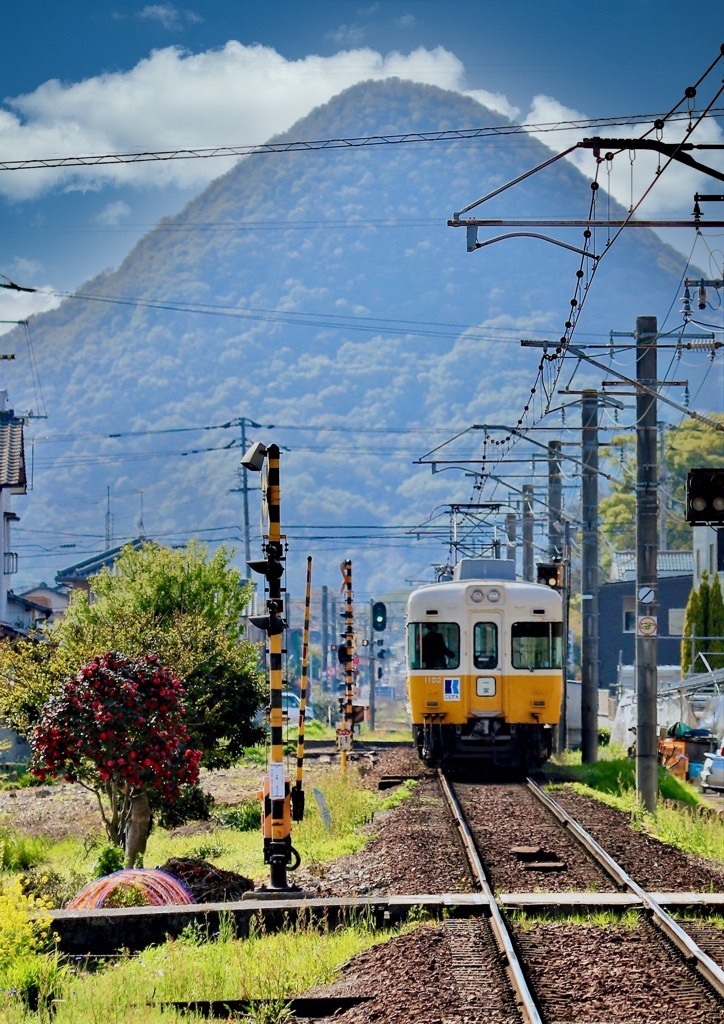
(673, 192)
(494, 101)
(113, 213)
(169, 16)
(16, 306)
(346, 35)
(173, 99)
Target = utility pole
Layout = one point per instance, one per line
(372, 668)
(325, 638)
(511, 532)
(663, 481)
(245, 497)
(647, 588)
(562, 736)
(555, 501)
(528, 523)
(589, 578)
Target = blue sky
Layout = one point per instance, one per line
(106, 77)
(117, 76)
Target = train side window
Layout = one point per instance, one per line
(485, 641)
(433, 645)
(537, 645)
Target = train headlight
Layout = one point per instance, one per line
(477, 596)
(494, 596)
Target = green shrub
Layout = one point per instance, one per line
(192, 804)
(110, 858)
(244, 817)
(52, 888)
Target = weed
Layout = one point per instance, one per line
(110, 858)
(244, 817)
(19, 852)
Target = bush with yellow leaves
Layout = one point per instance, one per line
(24, 922)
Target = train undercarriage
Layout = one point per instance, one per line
(492, 743)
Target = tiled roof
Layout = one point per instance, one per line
(12, 452)
(668, 563)
(84, 570)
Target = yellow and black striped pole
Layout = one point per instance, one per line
(297, 791)
(276, 813)
(345, 732)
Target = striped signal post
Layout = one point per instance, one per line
(297, 791)
(349, 646)
(276, 809)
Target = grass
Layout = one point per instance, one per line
(19, 852)
(528, 920)
(682, 819)
(196, 967)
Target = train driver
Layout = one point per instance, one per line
(434, 648)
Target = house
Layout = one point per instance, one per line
(617, 613)
(54, 599)
(77, 576)
(12, 481)
(708, 543)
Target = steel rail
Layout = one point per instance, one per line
(708, 968)
(526, 1002)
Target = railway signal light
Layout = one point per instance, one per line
(705, 497)
(272, 624)
(379, 616)
(550, 574)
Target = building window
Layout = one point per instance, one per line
(676, 621)
(629, 615)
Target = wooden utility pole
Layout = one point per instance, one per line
(647, 588)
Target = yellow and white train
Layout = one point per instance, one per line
(484, 667)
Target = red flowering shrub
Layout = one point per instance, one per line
(118, 729)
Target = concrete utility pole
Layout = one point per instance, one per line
(589, 578)
(555, 501)
(562, 736)
(511, 533)
(245, 497)
(325, 638)
(663, 481)
(528, 523)
(647, 588)
(372, 665)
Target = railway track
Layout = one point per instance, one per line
(569, 971)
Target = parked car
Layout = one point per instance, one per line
(712, 774)
(290, 709)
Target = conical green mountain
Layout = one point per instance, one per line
(323, 289)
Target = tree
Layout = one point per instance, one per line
(691, 624)
(690, 444)
(117, 728)
(716, 624)
(184, 606)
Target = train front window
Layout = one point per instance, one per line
(537, 645)
(433, 645)
(485, 640)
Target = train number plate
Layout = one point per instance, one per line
(485, 686)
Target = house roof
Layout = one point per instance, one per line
(668, 563)
(82, 571)
(12, 452)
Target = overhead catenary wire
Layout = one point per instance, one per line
(271, 148)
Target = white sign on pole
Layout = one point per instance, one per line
(647, 625)
(276, 781)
